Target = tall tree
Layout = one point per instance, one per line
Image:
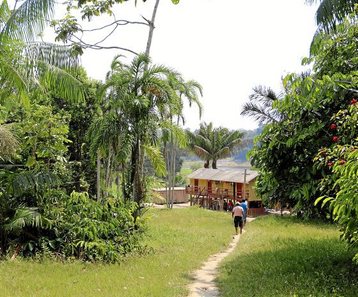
(285, 151)
(139, 99)
(213, 144)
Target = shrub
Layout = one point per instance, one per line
(83, 228)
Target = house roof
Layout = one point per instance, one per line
(235, 175)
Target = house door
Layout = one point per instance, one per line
(209, 186)
(239, 190)
(196, 185)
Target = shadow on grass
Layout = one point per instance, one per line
(310, 267)
(294, 220)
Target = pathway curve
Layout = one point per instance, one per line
(204, 279)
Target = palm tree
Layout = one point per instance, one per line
(213, 144)
(261, 106)
(332, 12)
(140, 98)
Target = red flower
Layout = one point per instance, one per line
(330, 164)
(335, 138)
(354, 101)
(333, 126)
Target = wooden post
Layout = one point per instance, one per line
(244, 187)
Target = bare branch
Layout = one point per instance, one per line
(116, 23)
(99, 47)
(108, 35)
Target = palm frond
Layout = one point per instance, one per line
(156, 158)
(24, 216)
(257, 112)
(192, 88)
(223, 153)
(32, 182)
(56, 55)
(14, 75)
(264, 95)
(28, 20)
(178, 133)
(201, 152)
(5, 13)
(62, 83)
(332, 12)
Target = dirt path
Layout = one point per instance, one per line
(204, 285)
(204, 278)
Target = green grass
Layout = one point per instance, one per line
(180, 239)
(275, 257)
(285, 257)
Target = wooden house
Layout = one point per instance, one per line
(210, 188)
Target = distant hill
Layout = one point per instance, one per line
(248, 142)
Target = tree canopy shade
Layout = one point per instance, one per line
(212, 144)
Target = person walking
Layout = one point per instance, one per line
(243, 204)
(237, 213)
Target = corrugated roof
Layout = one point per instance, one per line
(235, 175)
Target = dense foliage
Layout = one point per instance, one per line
(310, 151)
(285, 150)
(47, 106)
(341, 162)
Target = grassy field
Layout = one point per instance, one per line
(180, 239)
(285, 257)
(275, 257)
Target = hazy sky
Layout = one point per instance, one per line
(228, 46)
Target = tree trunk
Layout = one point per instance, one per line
(173, 172)
(98, 176)
(206, 164)
(168, 178)
(214, 166)
(137, 174)
(151, 28)
(118, 181)
(108, 171)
